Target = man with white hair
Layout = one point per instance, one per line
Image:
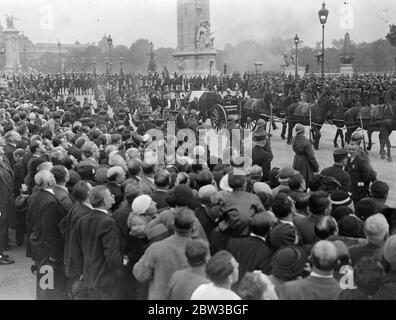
(45, 243)
(376, 229)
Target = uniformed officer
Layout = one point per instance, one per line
(337, 171)
(361, 173)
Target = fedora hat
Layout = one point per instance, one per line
(299, 128)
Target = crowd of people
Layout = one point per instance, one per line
(93, 201)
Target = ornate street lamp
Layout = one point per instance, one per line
(110, 42)
(107, 62)
(94, 65)
(323, 14)
(296, 42)
(121, 63)
(59, 51)
(83, 64)
(73, 62)
(210, 66)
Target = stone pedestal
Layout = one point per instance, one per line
(196, 62)
(13, 64)
(291, 70)
(346, 69)
(194, 50)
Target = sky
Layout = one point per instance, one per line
(231, 20)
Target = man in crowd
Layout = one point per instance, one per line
(320, 284)
(100, 257)
(337, 171)
(46, 245)
(184, 282)
(162, 259)
(361, 173)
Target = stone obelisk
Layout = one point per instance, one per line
(194, 54)
(12, 48)
(346, 57)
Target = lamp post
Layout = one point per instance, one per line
(94, 65)
(210, 66)
(83, 64)
(107, 62)
(110, 42)
(59, 50)
(73, 62)
(323, 14)
(121, 63)
(24, 58)
(296, 42)
(257, 65)
(225, 68)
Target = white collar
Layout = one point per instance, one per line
(49, 190)
(87, 205)
(257, 236)
(103, 210)
(317, 275)
(287, 222)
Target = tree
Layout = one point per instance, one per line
(391, 36)
(138, 53)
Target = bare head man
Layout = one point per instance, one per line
(324, 257)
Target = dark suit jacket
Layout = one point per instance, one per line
(159, 196)
(252, 253)
(387, 290)
(44, 237)
(310, 288)
(19, 177)
(63, 198)
(101, 257)
(7, 206)
(361, 250)
(72, 249)
(306, 228)
(362, 174)
(263, 157)
(8, 151)
(147, 186)
(338, 173)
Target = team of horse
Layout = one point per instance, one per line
(339, 112)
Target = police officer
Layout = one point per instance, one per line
(361, 173)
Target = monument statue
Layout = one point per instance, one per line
(10, 21)
(195, 41)
(391, 37)
(204, 37)
(11, 39)
(346, 57)
(152, 67)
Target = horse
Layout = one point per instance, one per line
(253, 109)
(381, 118)
(337, 119)
(310, 114)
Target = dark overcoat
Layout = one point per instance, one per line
(304, 159)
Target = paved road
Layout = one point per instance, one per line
(17, 282)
